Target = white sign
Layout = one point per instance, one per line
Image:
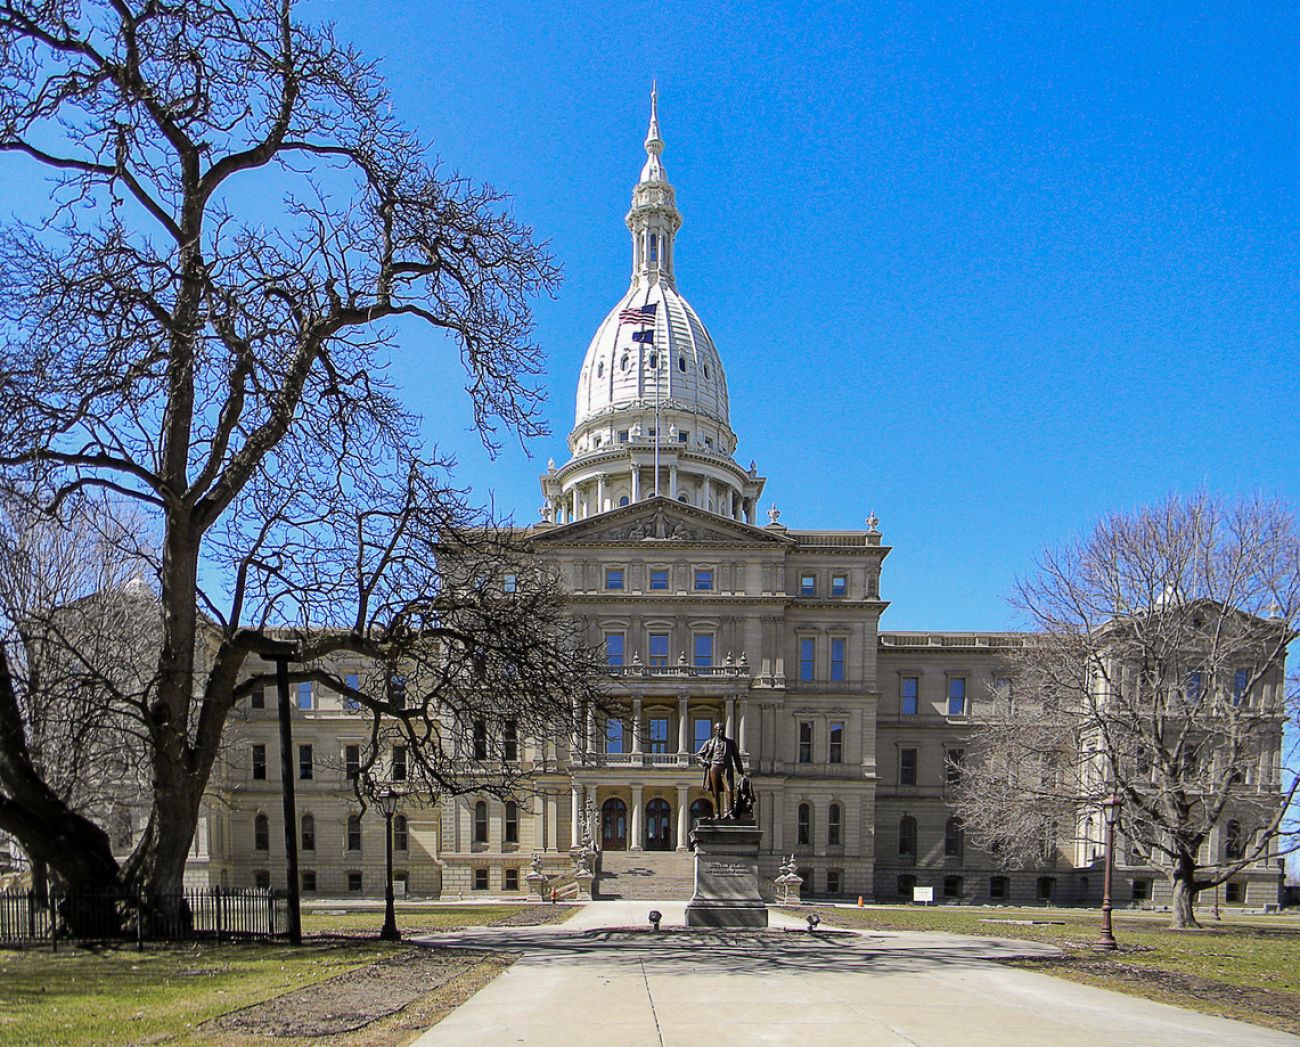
(399, 888)
(923, 894)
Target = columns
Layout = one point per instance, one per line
(683, 726)
(741, 740)
(575, 831)
(683, 816)
(672, 481)
(635, 843)
(636, 483)
(731, 717)
(573, 503)
(636, 724)
(600, 493)
(552, 840)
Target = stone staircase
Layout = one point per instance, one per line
(653, 876)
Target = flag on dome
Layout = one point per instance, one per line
(643, 315)
(644, 336)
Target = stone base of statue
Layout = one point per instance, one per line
(538, 884)
(726, 876)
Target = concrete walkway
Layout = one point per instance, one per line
(601, 978)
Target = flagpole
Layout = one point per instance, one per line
(658, 370)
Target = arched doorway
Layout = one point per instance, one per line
(701, 808)
(613, 825)
(658, 826)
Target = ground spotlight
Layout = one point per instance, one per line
(813, 920)
(655, 917)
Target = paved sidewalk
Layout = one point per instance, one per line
(589, 981)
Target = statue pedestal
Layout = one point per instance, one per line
(726, 876)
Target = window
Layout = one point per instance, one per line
(1232, 893)
(512, 880)
(834, 879)
(906, 884)
(309, 882)
(1239, 680)
(658, 734)
(399, 763)
(805, 741)
(1234, 842)
(614, 737)
(953, 766)
(622, 438)
(839, 585)
(659, 579)
(953, 838)
(614, 644)
(262, 879)
(659, 649)
(807, 585)
(308, 833)
(354, 883)
(807, 650)
(704, 579)
(261, 833)
(835, 750)
(703, 650)
(480, 822)
(906, 766)
(1046, 888)
(510, 583)
(957, 696)
(353, 682)
(907, 837)
(703, 731)
(305, 696)
(480, 739)
(805, 824)
(305, 768)
(613, 578)
(833, 830)
(837, 658)
(998, 888)
(397, 690)
(681, 364)
(1002, 688)
(684, 437)
(654, 247)
(480, 879)
(258, 698)
(910, 694)
(510, 741)
(952, 886)
(354, 832)
(1141, 890)
(1195, 684)
(512, 822)
(259, 763)
(351, 762)
(401, 833)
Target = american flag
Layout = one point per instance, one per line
(643, 315)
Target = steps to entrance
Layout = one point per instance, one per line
(646, 876)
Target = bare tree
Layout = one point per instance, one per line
(201, 325)
(1156, 671)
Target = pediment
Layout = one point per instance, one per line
(660, 520)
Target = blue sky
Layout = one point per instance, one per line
(989, 270)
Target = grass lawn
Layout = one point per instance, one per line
(1241, 967)
(118, 995)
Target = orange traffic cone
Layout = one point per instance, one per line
(859, 901)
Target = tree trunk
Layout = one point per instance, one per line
(1185, 892)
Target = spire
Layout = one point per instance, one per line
(653, 171)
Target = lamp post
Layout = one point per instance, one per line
(1110, 808)
(387, 800)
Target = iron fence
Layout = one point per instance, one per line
(34, 918)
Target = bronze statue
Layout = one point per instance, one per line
(721, 758)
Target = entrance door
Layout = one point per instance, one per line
(658, 826)
(613, 825)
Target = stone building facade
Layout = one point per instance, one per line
(852, 734)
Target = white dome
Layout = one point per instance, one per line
(681, 362)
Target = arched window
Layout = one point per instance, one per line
(261, 833)
(512, 822)
(681, 364)
(600, 369)
(401, 833)
(354, 832)
(706, 370)
(308, 833)
(623, 500)
(480, 822)
(654, 248)
(953, 838)
(805, 824)
(623, 362)
(833, 825)
(907, 837)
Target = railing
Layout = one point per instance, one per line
(724, 672)
(950, 640)
(639, 759)
(28, 918)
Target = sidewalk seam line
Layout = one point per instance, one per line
(649, 996)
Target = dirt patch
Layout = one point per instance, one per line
(1275, 1009)
(536, 916)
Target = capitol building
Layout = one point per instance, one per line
(710, 610)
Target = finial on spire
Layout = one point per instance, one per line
(653, 143)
